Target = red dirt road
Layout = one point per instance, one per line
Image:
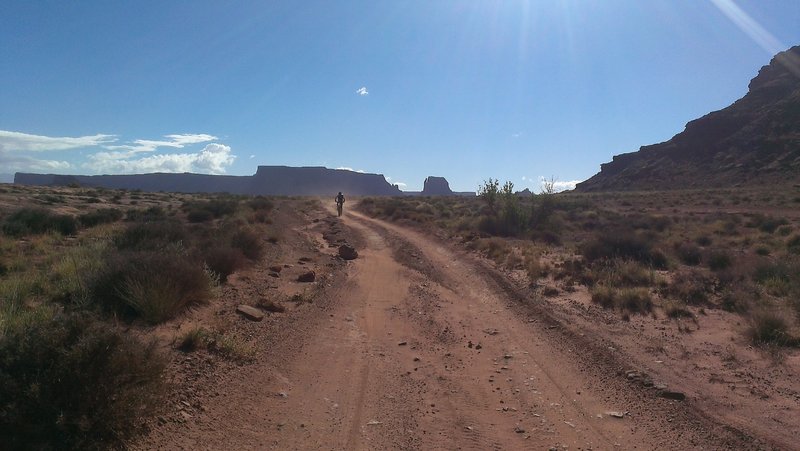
(418, 346)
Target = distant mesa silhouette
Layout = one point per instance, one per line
(754, 141)
(436, 186)
(268, 180)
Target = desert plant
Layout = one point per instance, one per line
(34, 221)
(688, 253)
(223, 261)
(770, 328)
(154, 286)
(249, 242)
(100, 216)
(70, 382)
(623, 244)
(151, 235)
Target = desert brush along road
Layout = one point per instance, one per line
(420, 346)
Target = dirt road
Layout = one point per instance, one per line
(420, 347)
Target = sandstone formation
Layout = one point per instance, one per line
(436, 186)
(756, 140)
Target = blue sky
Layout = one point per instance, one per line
(515, 90)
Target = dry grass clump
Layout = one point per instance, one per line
(152, 286)
(633, 300)
(771, 328)
(100, 216)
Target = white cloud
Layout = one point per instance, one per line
(517, 134)
(174, 141)
(558, 185)
(23, 163)
(401, 185)
(16, 141)
(362, 91)
(252, 156)
(345, 168)
(213, 159)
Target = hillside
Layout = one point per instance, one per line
(754, 141)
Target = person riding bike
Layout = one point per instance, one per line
(339, 203)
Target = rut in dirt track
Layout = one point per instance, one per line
(431, 354)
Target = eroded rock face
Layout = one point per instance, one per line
(436, 186)
(753, 141)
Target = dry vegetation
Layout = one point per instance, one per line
(674, 254)
(84, 274)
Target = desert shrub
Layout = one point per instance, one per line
(703, 240)
(223, 261)
(199, 215)
(100, 216)
(605, 296)
(636, 300)
(154, 286)
(623, 244)
(216, 208)
(70, 382)
(151, 235)
(149, 214)
(194, 339)
(35, 221)
(769, 225)
(261, 203)
(688, 253)
(691, 287)
(793, 244)
(719, 260)
(621, 273)
(676, 310)
(784, 230)
(770, 328)
(249, 242)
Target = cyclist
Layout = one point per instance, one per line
(339, 203)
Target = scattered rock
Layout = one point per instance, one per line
(274, 274)
(519, 430)
(348, 252)
(271, 306)
(676, 395)
(491, 331)
(402, 343)
(615, 414)
(373, 422)
(276, 268)
(251, 313)
(309, 276)
(416, 359)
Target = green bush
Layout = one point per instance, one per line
(261, 203)
(36, 221)
(71, 382)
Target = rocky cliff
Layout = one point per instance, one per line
(268, 180)
(756, 140)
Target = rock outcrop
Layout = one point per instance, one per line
(436, 186)
(756, 140)
(268, 180)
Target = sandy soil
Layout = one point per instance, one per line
(415, 345)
